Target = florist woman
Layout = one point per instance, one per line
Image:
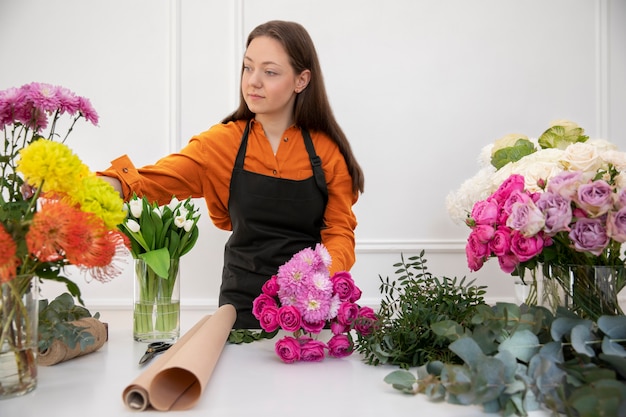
(279, 171)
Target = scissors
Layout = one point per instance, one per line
(154, 349)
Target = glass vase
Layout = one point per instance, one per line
(18, 336)
(589, 291)
(156, 311)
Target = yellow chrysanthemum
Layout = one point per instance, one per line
(100, 198)
(52, 163)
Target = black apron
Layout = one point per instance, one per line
(272, 219)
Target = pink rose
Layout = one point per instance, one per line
(269, 318)
(289, 318)
(313, 327)
(596, 198)
(343, 285)
(501, 242)
(514, 183)
(347, 313)
(616, 225)
(483, 233)
(338, 328)
(589, 235)
(340, 346)
(259, 304)
(476, 252)
(365, 321)
(312, 350)
(271, 287)
(356, 295)
(526, 248)
(288, 349)
(485, 212)
(508, 262)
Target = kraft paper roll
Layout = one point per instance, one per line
(177, 377)
(61, 352)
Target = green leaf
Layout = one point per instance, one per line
(468, 350)
(522, 148)
(522, 344)
(158, 260)
(401, 380)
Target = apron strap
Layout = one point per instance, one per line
(316, 163)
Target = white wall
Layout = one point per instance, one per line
(419, 86)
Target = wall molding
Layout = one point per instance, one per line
(453, 246)
(602, 68)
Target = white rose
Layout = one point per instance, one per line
(581, 157)
(615, 158)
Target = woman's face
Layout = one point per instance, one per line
(269, 83)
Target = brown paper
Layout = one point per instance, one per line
(177, 378)
(59, 351)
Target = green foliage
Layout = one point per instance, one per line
(522, 148)
(240, 336)
(54, 323)
(411, 304)
(517, 357)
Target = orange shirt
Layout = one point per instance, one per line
(204, 167)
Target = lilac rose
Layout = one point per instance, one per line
(557, 211)
(526, 217)
(566, 183)
(596, 198)
(589, 235)
(616, 225)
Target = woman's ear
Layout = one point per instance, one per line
(302, 80)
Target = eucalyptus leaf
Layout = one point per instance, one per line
(610, 347)
(468, 350)
(523, 344)
(613, 326)
(582, 337)
(618, 363)
(401, 380)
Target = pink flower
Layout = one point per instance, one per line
(87, 111)
(338, 328)
(288, 349)
(365, 321)
(508, 262)
(343, 285)
(271, 287)
(313, 327)
(356, 295)
(596, 198)
(312, 350)
(589, 235)
(526, 248)
(484, 233)
(340, 346)
(476, 252)
(259, 304)
(485, 212)
(501, 242)
(289, 318)
(347, 313)
(269, 318)
(514, 183)
(616, 225)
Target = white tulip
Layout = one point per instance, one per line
(136, 207)
(133, 226)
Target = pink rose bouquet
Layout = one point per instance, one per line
(303, 298)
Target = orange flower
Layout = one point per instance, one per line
(8, 258)
(50, 231)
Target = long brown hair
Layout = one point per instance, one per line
(312, 109)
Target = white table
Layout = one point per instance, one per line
(249, 380)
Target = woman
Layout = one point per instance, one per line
(279, 171)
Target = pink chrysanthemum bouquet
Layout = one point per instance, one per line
(302, 298)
